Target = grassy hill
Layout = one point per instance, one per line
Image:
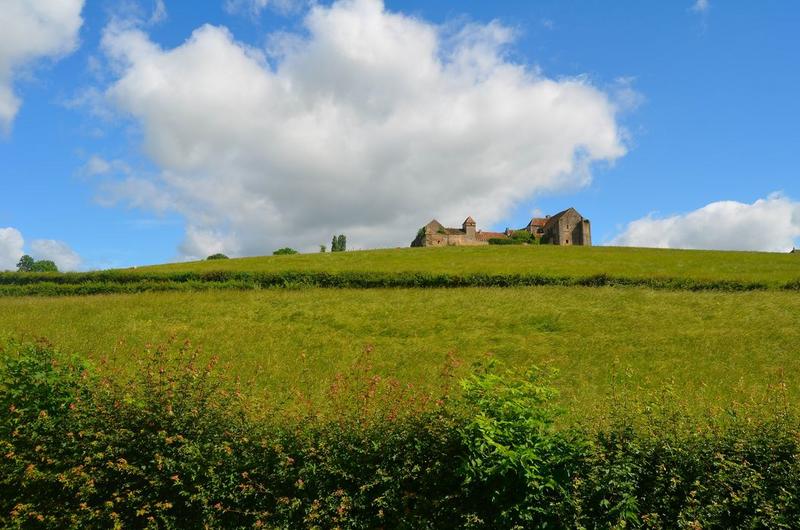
(488, 266)
(712, 348)
(772, 268)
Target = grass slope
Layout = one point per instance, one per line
(770, 268)
(713, 348)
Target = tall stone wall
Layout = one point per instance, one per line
(445, 240)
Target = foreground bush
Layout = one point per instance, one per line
(176, 447)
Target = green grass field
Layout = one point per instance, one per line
(770, 268)
(713, 348)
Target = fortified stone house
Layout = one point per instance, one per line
(564, 228)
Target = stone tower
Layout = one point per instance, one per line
(469, 227)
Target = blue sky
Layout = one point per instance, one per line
(701, 99)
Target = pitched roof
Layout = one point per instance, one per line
(469, 221)
(486, 236)
(554, 219)
(561, 213)
(434, 225)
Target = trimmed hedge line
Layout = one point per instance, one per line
(175, 449)
(21, 284)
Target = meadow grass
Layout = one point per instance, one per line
(711, 348)
(769, 268)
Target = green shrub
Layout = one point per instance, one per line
(284, 251)
(792, 286)
(744, 475)
(518, 467)
(172, 448)
(217, 256)
(40, 450)
(522, 235)
(517, 237)
(177, 446)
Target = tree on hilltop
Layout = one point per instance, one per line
(44, 265)
(25, 264)
(339, 243)
(28, 264)
(284, 251)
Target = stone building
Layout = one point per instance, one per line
(434, 234)
(564, 228)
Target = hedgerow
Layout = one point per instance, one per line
(178, 446)
(106, 282)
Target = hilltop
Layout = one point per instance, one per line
(771, 268)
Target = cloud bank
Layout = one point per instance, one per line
(12, 247)
(11, 244)
(31, 30)
(771, 224)
(368, 123)
(59, 252)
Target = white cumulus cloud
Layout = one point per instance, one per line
(59, 252)
(31, 30)
(11, 245)
(369, 122)
(771, 224)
